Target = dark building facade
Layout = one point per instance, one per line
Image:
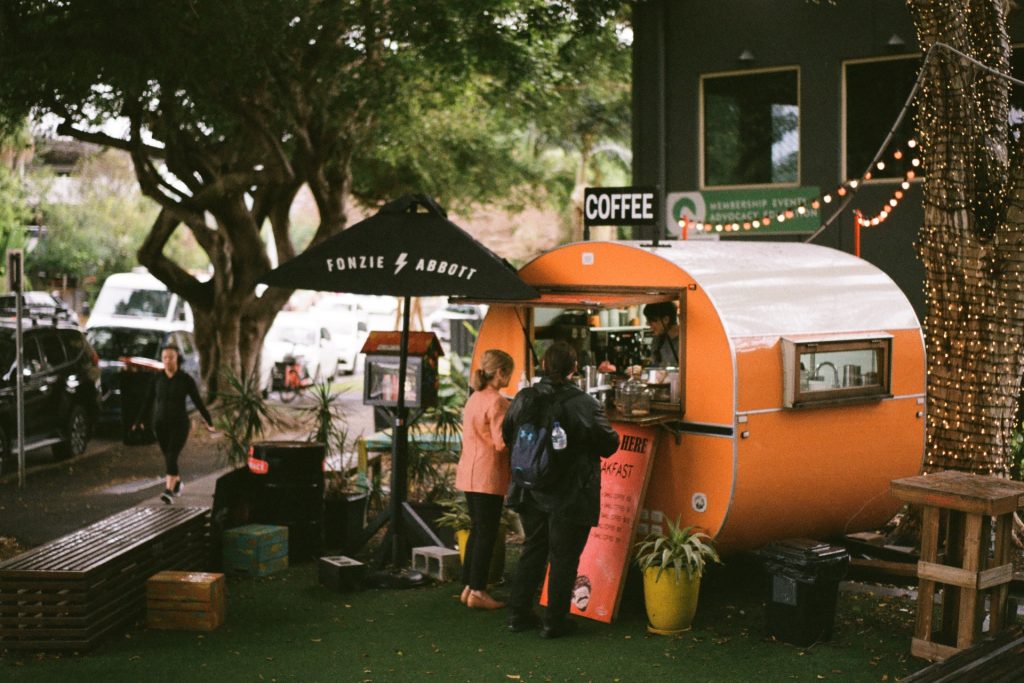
(746, 109)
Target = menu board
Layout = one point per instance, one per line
(602, 571)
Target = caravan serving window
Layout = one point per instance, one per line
(829, 371)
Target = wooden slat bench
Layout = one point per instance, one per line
(999, 659)
(68, 593)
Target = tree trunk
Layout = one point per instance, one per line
(971, 240)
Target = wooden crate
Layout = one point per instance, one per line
(68, 593)
(191, 601)
(256, 549)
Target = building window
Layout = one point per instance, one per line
(751, 128)
(875, 92)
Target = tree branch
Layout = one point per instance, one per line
(105, 140)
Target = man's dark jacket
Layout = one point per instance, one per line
(577, 496)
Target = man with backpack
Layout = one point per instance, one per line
(556, 487)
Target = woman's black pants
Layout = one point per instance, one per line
(171, 436)
(485, 515)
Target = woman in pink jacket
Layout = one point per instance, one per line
(484, 472)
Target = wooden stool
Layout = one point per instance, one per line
(969, 502)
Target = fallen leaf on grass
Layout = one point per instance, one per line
(514, 677)
(316, 640)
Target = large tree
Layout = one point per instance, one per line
(233, 105)
(972, 241)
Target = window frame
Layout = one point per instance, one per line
(702, 153)
(797, 397)
(844, 121)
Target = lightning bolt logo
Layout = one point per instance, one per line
(400, 262)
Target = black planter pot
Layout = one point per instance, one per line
(344, 519)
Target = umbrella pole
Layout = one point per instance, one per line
(400, 449)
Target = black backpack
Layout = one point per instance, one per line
(536, 465)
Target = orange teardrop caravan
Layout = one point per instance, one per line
(801, 378)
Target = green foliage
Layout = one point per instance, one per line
(1017, 453)
(96, 228)
(324, 414)
(432, 461)
(234, 106)
(245, 415)
(680, 549)
(456, 515)
(14, 213)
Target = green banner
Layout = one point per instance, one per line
(745, 208)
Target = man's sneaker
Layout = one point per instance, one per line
(167, 497)
(178, 487)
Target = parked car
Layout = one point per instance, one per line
(449, 324)
(349, 325)
(61, 390)
(303, 337)
(39, 305)
(128, 354)
(126, 298)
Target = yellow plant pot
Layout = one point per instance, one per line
(671, 601)
(497, 568)
(462, 538)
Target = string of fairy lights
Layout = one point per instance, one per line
(907, 155)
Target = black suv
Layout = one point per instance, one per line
(40, 305)
(61, 378)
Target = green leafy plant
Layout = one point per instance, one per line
(456, 515)
(434, 441)
(325, 416)
(679, 548)
(245, 415)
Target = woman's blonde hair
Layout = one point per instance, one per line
(491, 362)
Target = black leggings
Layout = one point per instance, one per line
(171, 437)
(485, 513)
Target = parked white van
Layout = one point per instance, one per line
(138, 295)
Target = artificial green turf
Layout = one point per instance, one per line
(286, 627)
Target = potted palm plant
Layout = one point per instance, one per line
(673, 563)
(346, 493)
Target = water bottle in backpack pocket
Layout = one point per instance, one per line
(537, 454)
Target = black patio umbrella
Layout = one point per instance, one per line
(409, 248)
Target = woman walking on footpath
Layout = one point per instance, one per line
(483, 473)
(168, 391)
(557, 520)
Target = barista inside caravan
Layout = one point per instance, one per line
(663, 320)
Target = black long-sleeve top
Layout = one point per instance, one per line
(169, 394)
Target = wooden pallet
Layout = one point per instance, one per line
(70, 592)
(998, 659)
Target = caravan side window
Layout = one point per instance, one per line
(827, 371)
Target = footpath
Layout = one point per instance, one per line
(62, 497)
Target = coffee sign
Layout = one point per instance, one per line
(620, 206)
